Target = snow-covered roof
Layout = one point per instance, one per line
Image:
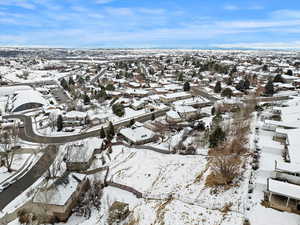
(176, 95)
(294, 143)
(137, 134)
(82, 151)
(73, 114)
(284, 189)
(281, 124)
(28, 96)
(59, 193)
(10, 90)
(172, 114)
(185, 109)
(287, 167)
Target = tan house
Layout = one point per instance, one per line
(55, 202)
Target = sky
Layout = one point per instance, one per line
(267, 24)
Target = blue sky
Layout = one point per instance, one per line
(151, 23)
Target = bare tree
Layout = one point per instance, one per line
(223, 170)
(9, 139)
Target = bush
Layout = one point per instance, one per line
(223, 170)
(25, 217)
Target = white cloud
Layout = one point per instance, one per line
(258, 24)
(152, 11)
(231, 7)
(286, 13)
(19, 3)
(119, 11)
(103, 1)
(236, 7)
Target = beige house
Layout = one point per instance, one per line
(55, 202)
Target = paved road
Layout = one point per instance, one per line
(27, 133)
(29, 178)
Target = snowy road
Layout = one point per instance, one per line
(29, 178)
(28, 134)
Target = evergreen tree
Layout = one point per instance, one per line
(59, 123)
(228, 81)
(227, 92)
(131, 123)
(110, 87)
(265, 68)
(81, 80)
(186, 86)
(216, 137)
(213, 111)
(102, 133)
(101, 94)
(71, 81)
(118, 109)
(234, 70)
(278, 78)
(247, 84)
(269, 88)
(86, 99)
(241, 85)
(111, 131)
(64, 84)
(118, 76)
(289, 72)
(217, 119)
(218, 87)
(152, 116)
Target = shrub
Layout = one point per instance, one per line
(223, 170)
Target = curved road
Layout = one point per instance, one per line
(28, 134)
(18, 187)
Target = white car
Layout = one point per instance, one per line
(4, 186)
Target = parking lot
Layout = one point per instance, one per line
(60, 95)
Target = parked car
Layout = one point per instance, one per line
(4, 186)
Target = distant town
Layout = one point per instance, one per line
(149, 136)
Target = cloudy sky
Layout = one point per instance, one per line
(150, 23)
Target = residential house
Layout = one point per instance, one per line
(137, 135)
(79, 155)
(55, 202)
